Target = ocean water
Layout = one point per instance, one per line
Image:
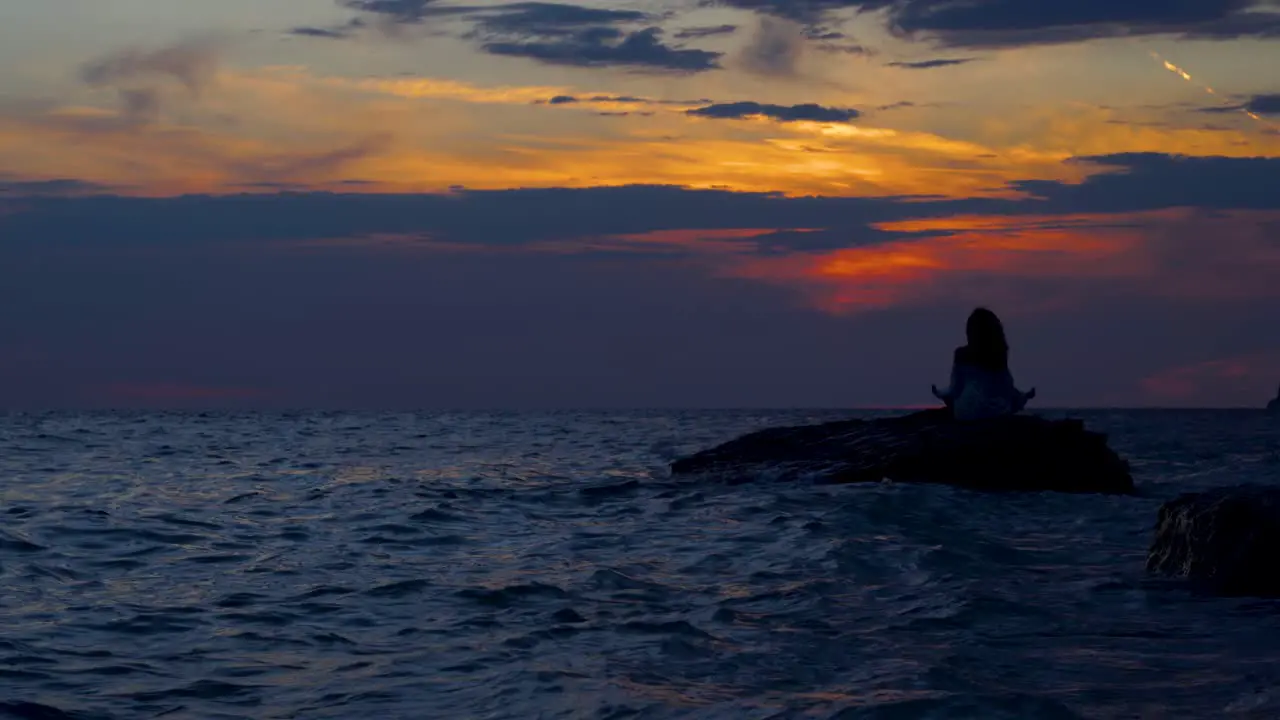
(489, 565)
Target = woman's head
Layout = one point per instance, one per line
(987, 343)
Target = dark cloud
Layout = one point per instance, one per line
(782, 113)
(696, 33)
(404, 11)
(141, 79)
(1154, 181)
(997, 23)
(609, 47)
(809, 12)
(1000, 21)
(337, 32)
(927, 64)
(194, 63)
(522, 18)
(643, 100)
(775, 49)
(847, 49)
(1258, 104)
(825, 39)
(333, 33)
(1264, 104)
(502, 218)
(549, 33)
(43, 188)
(535, 19)
(1262, 20)
(615, 99)
(823, 33)
(558, 34)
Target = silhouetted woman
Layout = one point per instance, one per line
(981, 384)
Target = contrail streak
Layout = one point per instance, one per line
(1187, 76)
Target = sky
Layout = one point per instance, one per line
(435, 204)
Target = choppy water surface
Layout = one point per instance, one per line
(544, 566)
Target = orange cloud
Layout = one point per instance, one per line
(1090, 130)
(1162, 253)
(446, 89)
(430, 88)
(287, 125)
(897, 272)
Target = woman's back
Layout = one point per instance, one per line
(982, 390)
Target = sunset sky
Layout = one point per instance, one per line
(659, 203)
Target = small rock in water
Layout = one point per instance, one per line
(1225, 539)
(1018, 452)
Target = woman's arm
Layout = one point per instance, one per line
(1019, 398)
(954, 388)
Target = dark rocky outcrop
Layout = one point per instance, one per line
(1019, 452)
(1274, 405)
(1225, 540)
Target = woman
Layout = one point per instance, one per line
(981, 384)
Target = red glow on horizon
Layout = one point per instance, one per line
(1248, 376)
(177, 392)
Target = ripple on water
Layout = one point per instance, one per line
(506, 565)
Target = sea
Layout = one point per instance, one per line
(546, 565)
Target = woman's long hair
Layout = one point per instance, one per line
(988, 348)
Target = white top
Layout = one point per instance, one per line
(977, 393)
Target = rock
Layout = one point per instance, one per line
(1226, 540)
(1274, 405)
(1019, 452)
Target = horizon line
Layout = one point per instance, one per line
(603, 409)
